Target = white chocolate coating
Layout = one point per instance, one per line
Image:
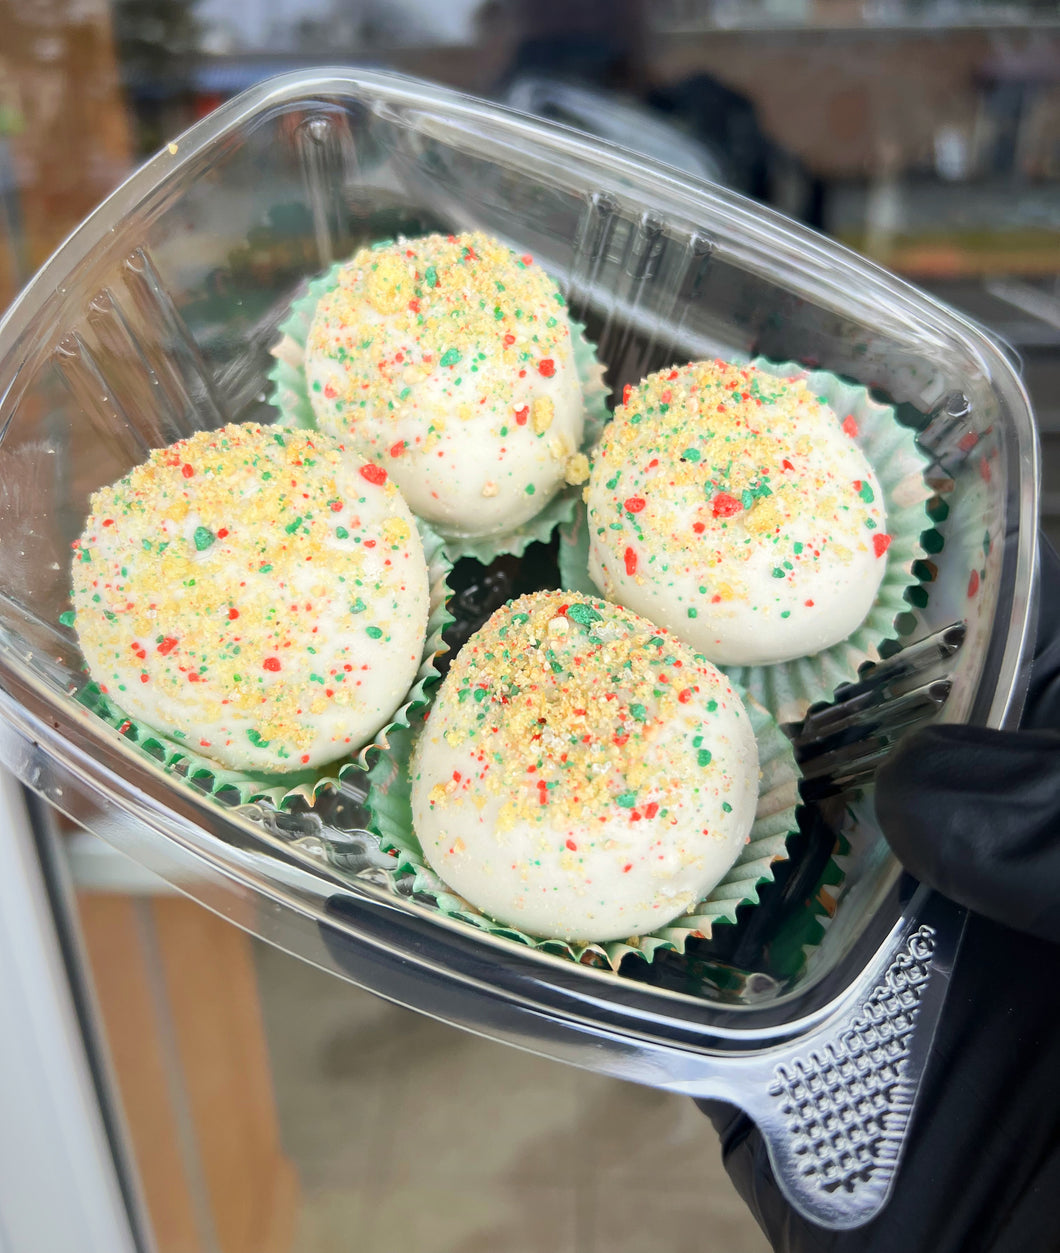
(448, 360)
(734, 508)
(260, 595)
(582, 775)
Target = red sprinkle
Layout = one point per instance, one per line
(373, 473)
(699, 527)
(329, 391)
(725, 506)
(143, 678)
(108, 521)
(167, 645)
(509, 339)
(631, 561)
(973, 583)
(685, 695)
(522, 414)
(572, 846)
(809, 604)
(187, 470)
(527, 259)
(850, 426)
(635, 504)
(414, 306)
(626, 393)
(233, 613)
(651, 809)
(627, 867)
(787, 464)
(881, 543)
(223, 533)
(547, 367)
(271, 663)
(398, 448)
(336, 506)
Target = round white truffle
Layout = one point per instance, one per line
(448, 360)
(582, 775)
(734, 507)
(258, 594)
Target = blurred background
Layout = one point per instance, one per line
(268, 1108)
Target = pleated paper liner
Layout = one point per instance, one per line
(290, 395)
(238, 788)
(389, 804)
(788, 688)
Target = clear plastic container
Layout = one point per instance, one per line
(815, 1012)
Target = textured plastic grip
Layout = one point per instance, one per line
(835, 1110)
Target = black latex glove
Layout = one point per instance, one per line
(975, 814)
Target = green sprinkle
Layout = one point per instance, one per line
(291, 527)
(866, 493)
(450, 357)
(373, 632)
(266, 569)
(704, 757)
(638, 713)
(431, 276)
(726, 807)
(358, 606)
(67, 619)
(786, 613)
(693, 613)
(203, 538)
(711, 706)
(797, 547)
(690, 454)
(778, 573)
(254, 736)
(584, 615)
(626, 799)
(342, 533)
(480, 694)
(530, 489)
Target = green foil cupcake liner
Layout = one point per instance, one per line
(389, 804)
(237, 788)
(291, 397)
(788, 688)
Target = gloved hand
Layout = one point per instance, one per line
(976, 815)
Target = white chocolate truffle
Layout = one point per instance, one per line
(736, 509)
(258, 594)
(448, 360)
(582, 775)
